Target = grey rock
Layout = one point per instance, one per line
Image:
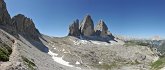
(87, 26)
(101, 29)
(74, 29)
(25, 26)
(86, 30)
(4, 15)
(5, 19)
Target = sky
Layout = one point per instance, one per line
(140, 18)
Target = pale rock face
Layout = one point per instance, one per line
(25, 26)
(101, 29)
(4, 15)
(87, 26)
(74, 29)
(86, 30)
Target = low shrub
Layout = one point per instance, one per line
(5, 52)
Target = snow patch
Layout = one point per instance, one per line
(78, 42)
(77, 62)
(59, 59)
(63, 50)
(83, 41)
(100, 43)
(95, 42)
(66, 52)
(52, 54)
(100, 62)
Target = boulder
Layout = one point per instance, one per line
(74, 29)
(87, 26)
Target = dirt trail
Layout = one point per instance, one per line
(14, 55)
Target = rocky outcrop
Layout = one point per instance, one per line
(18, 24)
(87, 26)
(87, 31)
(5, 19)
(74, 29)
(4, 15)
(101, 29)
(25, 26)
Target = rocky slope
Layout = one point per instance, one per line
(23, 47)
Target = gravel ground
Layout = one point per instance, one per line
(70, 53)
(98, 55)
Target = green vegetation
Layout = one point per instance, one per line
(5, 52)
(137, 62)
(136, 42)
(133, 62)
(158, 64)
(105, 66)
(29, 63)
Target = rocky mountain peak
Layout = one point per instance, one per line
(25, 26)
(87, 31)
(87, 17)
(87, 26)
(17, 24)
(101, 28)
(74, 29)
(4, 15)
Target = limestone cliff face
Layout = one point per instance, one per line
(5, 19)
(4, 15)
(87, 26)
(74, 29)
(101, 29)
(86, 30)
(19, 24)
(25, 26)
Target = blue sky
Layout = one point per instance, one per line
(141, 18)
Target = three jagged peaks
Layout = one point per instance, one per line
(86, 29)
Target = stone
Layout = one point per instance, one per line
(87, 26)
(4, 15)
(101, 29)
(74, 29)
(25, 26)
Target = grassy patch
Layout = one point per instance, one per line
(160, 63)
(5, 52)
(134, 42)
(133, 63)
(105, 66)
(137, 62)
(29, 63)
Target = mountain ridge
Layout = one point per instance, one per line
(86, 30)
